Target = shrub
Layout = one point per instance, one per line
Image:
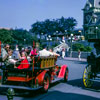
(88, 48)
(78, 46)
(81, 47)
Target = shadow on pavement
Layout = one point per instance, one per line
(26, 93)
(56, 95)
(79, 83)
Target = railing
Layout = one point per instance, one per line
(60, 46)
(45, 62)
(93, 36)
(75, 54)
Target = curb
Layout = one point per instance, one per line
(74, 59)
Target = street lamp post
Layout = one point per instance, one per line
(96, 32)
(24, 41)
(41, 35)
(57, 35)
(65, 32)
(80, 32)
(71, 45)
(49, 39)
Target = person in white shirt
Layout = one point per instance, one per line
(10, 58)
(4, 52)
(63, 53)
(44, 52)
(54, 53)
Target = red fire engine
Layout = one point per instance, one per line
(41, 72)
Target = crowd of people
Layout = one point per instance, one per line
(9, 57)
(20, 58)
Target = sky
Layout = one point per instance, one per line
(23, 13)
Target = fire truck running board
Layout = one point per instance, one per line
(56, 79)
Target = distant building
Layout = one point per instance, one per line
(78, 31)
(91, 19)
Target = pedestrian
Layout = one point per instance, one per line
(63, 53)
(63, 39)
(79, 54)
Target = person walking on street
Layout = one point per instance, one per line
(63, 53)
(79, 54)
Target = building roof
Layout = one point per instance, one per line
(92, 4)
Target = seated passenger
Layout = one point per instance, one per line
(33, 51)
(4, 52)
(16, 53)
(54, 53)
(44, 52)
(7, 55)
(9, 60)
(28, 50)
(24, 63)
(10, 57)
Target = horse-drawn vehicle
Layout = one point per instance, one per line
(41, 72)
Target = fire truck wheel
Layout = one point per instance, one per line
(66, 75)
(46, 83)
(87, 76)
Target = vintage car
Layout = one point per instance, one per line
(92, 71)
(41, 72)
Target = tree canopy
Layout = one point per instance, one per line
(21, 36)
(6, 36)
(17, 36)
(50, 26)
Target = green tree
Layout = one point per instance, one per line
(23, 37)
(6, 36)
(81, 47)
(78, 46)
(50, 26)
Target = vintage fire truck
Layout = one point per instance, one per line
(92, 71)
(41, 72)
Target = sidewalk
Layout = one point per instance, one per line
(75, 59)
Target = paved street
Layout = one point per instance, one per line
(71, 90)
